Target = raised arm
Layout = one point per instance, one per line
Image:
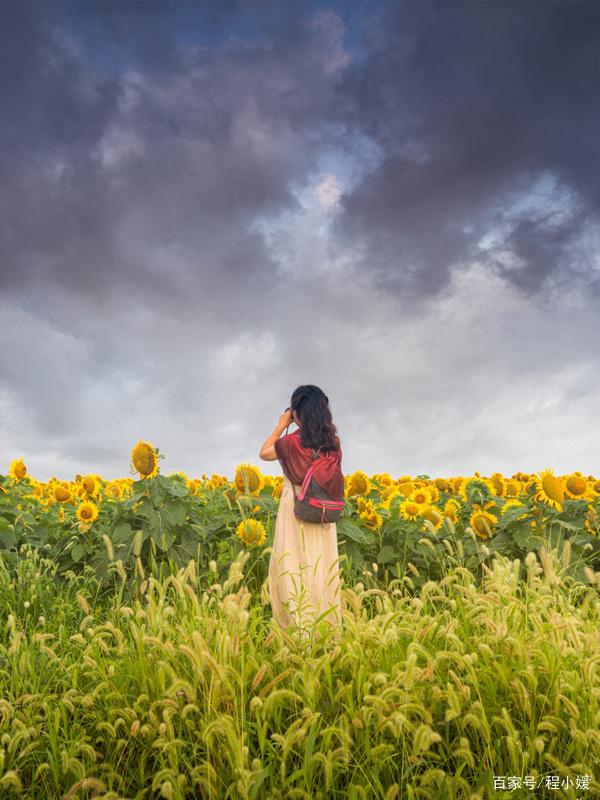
(267, 451)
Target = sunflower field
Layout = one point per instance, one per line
(138, 659)
(406, 527)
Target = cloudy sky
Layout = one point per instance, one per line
(204, 205)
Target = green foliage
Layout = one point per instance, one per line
(162, 522)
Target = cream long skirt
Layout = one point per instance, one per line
(304, 573)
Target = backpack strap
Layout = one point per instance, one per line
(306, 481)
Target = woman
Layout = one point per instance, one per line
(304, 575)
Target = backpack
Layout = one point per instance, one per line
(312, 503)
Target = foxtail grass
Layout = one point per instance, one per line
(190, 690)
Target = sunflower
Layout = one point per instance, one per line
(451, 509)
(62, 493)
(421, 496)
(457, 484)
(144, 459)
(434, 492)
(405, 487)
(499, 484)
(389, 496)
(513, 488)
(216, 482)
(371, 518)
(389, 491)
(358, 483)
(87, 512)
(251, 532)
(363, 504)
(192, 484)
(433, 515)
(443, 485)
(17, 470)
(248, 479)
(90, 485)
(410, 510)
(484, 486)
(482, 523)
(277, 487)
(488, 506)
(114, 490)
(530, 484)
(592, 521)
(550, 490)
(576, 486)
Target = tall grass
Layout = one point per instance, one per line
(187, 690)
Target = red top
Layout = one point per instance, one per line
(296, 459)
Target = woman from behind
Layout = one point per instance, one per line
(304, 574)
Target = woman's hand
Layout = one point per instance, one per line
(285, 419)
(267, 451)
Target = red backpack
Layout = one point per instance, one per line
(312, 503)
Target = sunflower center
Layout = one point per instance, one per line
(576, 484)
(360, 485)
(144, 459)
(552, 488)
(247, 480)
(251, 531)
(482, 526)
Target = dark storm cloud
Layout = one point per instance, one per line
(184, 147)
(470, 102)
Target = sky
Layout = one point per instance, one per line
(207, 204)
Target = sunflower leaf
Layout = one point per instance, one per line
(121, 533)
(511, 514)
(347, 528)
(354, 554)
(177, 512)
(522, 536)
(77, 552)
(176, 487)
(386, 554)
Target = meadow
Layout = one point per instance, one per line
(138, 658)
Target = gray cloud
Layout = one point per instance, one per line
(186, 154)
(205, 205)
(470, 102)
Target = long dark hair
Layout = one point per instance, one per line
(311, 404)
